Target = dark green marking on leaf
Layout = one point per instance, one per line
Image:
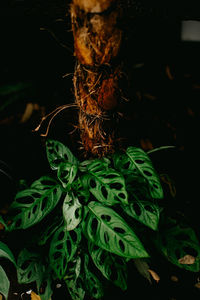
(101, 226)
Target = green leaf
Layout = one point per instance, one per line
(33, 204)
(49, 230)
(106, 229)
(92, 283)
(29, 267)
(4, 283)
(76, 288)
(145, 212)
(67, 173)
(74, 279)
(113, 267)
(63, 248)
(5, 252)
(136, 161)
(72, 211)
(74, 269)
(45, 290)
(107, 185)
(177, 242)
(58, 153)
(142, 267)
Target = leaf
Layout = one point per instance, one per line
(76, 288)
(4, 283)
(106, 229)
(107, 185)
(58, 153)
(112, 267)
(33, 204)
(93, 285)
(136, 161)
(145, 212)
(5, 252)
(74, 279)
(67, 173)
(34, 296)
(72, 211)
(154, 275)
(49, 230)
(187, 260)
(177, 243)
(74, 268)
(143, 268)
(63, 248)
(29, 267)
(45, 290)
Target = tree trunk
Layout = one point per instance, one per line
(97, 42)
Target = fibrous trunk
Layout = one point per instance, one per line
(98, 71)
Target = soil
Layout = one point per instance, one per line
(164, 91)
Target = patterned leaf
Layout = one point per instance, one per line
(63, 248)
(49, 230)
(72, 211)
(67, 173)
(29, 267)
(4, 283)
(93, 285)
(177, 242)
(145, 212)
(136, 161)
(106, 229)
(107, 185)
(113, 267)
(5, 252)
(58, 153)
(76, 288)
(74, 280)
(32, 205)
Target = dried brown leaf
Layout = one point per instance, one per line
(187, 260)
(154, 275)
(34, 296)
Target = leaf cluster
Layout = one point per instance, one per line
(89, 216)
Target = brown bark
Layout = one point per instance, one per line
(97, 41)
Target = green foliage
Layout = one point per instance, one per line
(5, 253)
(177, 242)
(95, 217)
(4, 283)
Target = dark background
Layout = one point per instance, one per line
(36, 48)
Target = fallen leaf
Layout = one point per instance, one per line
(197, 285)
(168, 72)
(187, 260)
(174, 278)
(30, 107)
(34, 296)
(155, 276)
